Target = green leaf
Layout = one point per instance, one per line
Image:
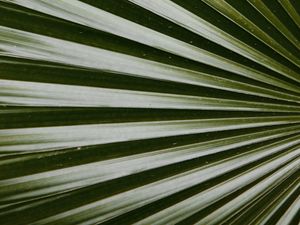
(149, 112)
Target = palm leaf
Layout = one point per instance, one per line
(149, 112)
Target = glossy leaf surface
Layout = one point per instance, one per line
(149, 112)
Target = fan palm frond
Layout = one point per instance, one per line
(149, 112)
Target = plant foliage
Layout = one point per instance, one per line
(149, 112)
